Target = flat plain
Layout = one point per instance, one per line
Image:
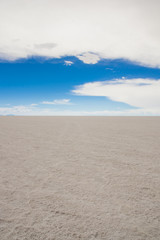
(66, 178)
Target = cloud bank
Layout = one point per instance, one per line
(87, 29)
(140, 93)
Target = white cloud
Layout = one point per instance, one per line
(68, 63)
(58, 102)
(141, 93)
(110, 29)
(45, 45)
(89, 58)
(34, 104)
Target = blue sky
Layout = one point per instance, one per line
(83, 57)
(32, 82)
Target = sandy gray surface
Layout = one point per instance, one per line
(79, 178)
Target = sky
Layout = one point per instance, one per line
(88, 57)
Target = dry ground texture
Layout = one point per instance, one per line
(66, 178)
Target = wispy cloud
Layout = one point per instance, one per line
(16, 110)
(37, 111)
(58, 102)
(68, 63)
(141, 93)
(109, 29)
(111, 69)
(33, 104)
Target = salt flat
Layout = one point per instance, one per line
(83, 178)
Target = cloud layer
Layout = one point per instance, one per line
(140, 93)
(108, 29)
(36, 111)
